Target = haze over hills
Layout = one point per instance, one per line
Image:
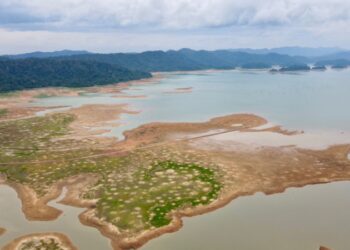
(40, 54)
(295, 51)
(290, 51)
(82, 68)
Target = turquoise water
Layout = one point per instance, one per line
(305, 101)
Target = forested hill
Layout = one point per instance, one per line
(187, 59)
(36, 73)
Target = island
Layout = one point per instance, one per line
(320, 68)
(296, 67)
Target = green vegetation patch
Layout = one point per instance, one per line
(3, 112)
(146, 198)
(136, 191)
(39, 139)
(21, 139)
(8, 94)
(43, 96)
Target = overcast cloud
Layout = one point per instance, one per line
(134, 25)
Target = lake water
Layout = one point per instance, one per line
(298, 219)
(316, 102)
(311, 101)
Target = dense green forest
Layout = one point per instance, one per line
(299, 67)
(36, 73)
(187, 59)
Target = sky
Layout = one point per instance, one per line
(139, 25)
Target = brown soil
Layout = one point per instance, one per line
(89, 117)
(324, 248)
(18, 111)
(179, 91)
(2, 231)
(130, 96)
(36, 208)
(155, 133)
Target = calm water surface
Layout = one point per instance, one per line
(299, 219)
(13, 220)
(306, 100)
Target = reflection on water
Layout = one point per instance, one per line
(13, 220)
(303, 219)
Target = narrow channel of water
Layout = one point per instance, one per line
(16, 225)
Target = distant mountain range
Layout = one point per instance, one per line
(186, 59)
(81, 68)
(290, 51)
(295, 51)
(39, 54)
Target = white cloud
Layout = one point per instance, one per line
(178, 14)
(134, 25)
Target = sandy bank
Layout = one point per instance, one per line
(36, 208)
(90, 118)
(179, 90)
(238, 140)
(18, 104)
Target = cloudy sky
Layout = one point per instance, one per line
(137, 25)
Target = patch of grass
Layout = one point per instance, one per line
(27, 135)
(136, 191)
(42, 95)
(147, 197)
(8, 94)
(3, 112)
